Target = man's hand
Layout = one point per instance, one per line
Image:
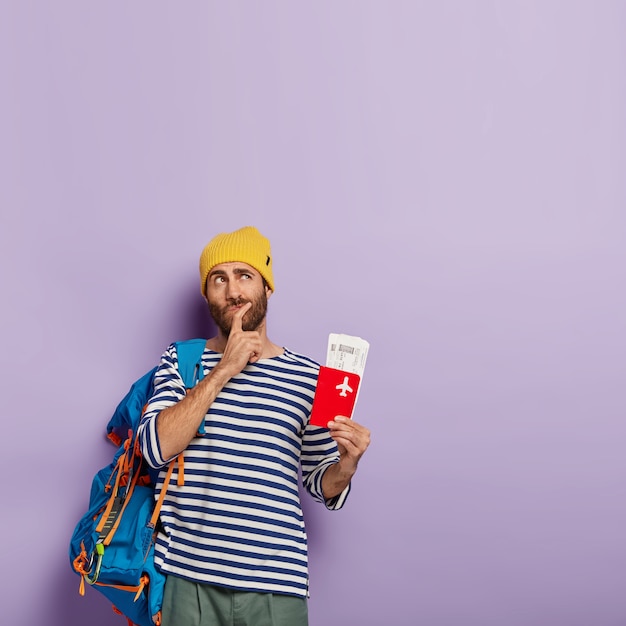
(243, 346)
(352, 441)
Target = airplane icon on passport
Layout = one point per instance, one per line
(344, 387)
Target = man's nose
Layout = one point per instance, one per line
(232, 290)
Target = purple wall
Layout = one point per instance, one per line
(444, 179)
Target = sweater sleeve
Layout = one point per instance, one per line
(168, 390)
(319, 452)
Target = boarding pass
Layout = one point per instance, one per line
(347, 353)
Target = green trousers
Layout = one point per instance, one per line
(190, 604)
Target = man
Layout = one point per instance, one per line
(233, 542)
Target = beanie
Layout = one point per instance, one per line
(246, 245)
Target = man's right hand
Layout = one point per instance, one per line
(242, 347)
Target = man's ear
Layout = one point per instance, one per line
(268, 292)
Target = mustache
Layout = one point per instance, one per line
(236, 302)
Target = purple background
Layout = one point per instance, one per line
(445, 179)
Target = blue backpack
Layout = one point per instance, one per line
(112, 546)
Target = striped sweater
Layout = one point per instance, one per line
(237, 520)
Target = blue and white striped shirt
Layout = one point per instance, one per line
(237, 520)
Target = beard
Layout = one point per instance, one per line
(251, 320)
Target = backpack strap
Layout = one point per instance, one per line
(159, 502)
(190, 361)
(190, 365)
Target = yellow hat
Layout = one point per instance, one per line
(246, 245)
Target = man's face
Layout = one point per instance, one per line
(229, 287)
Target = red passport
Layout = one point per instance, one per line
(335, 394)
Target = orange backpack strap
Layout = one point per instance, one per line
(114, 501)
(166, 483)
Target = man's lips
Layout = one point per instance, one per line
(235, 307)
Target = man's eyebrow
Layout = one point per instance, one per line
(236, 270)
